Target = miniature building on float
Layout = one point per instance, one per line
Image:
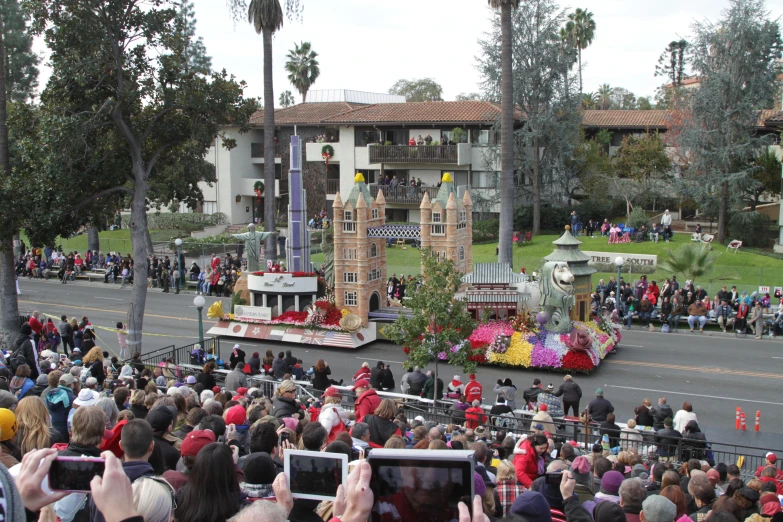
(495, 288)
(359, 258)
(447, 225)
(567, 250)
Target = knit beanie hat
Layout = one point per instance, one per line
(610, 482)
(608, 512)
(532, 506)
(580, 469)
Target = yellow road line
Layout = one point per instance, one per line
(104, 310)
(691, 368)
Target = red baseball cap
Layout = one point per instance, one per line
(771, 457)
(195, 440)
(241, 392)
(216, 389)
(361, 383)
(331, 391)
(236, 415)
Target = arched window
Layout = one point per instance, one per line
(373, 250)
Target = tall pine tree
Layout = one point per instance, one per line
(196, 59)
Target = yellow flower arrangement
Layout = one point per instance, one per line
(518, 353)
(344, 312)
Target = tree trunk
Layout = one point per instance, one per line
(579, 53)
(536, 190)
(138, 231)
(270, 247)
(304, 97)
(505, 252)
(148, 241)
(93, 241)
(724, 203)
(9, 304)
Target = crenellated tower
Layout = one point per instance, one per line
(447, 225)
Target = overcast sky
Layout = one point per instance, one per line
(368, 45)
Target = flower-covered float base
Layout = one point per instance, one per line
(320, 325)
(522, 344)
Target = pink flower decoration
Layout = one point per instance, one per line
(442, 356)
(543, 358)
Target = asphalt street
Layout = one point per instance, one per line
(715, 372)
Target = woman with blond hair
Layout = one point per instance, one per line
(508, 487)
(35, 426)
(137, 404)
(153, 498)
(93, 362)
(285, 404)
(381, 423)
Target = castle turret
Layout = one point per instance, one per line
(445, 223)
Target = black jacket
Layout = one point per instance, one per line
(25, 344)
(321, 379)
(599, 408)
(207, 380)
(570, 391)
(613, 430)
(381, 430)
(139, 411)
(387, 379)
(644, 416)
(285, 407)
(375, 378)
(169, 453)
(531, 394)
(417, 380)
(667, 440)
(279, 368)
(255, 365)
(290, 361)
(660, 412)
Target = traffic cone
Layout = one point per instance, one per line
(742, 420)
(737, 419)
(758, 421)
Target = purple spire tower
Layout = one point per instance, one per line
(297, 245)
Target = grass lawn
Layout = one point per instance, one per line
(746, 270)
(111, 240)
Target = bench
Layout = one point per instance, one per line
(734, 245)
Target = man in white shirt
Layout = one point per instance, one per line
(666, 223)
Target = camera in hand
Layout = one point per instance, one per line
(415, 485)
(315, 475)
(554, 478)
(74, 473)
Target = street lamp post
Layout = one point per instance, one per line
(180, 261)
(619, 261)
(199, 303)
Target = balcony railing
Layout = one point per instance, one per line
(409, 195)
(332, 186)
(257, 150)
(413, 154)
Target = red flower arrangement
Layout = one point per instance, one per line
(292, 316)
(480, 352)
(577, 361)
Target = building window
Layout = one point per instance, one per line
(209, 207)
(462, 253)
(348, 215)
(349, 226)
(373, 250)
(350, 277)
(374, 213)
(350, 299)
(485, 180)
(374, 274)
(436, 217)
(349, 254)
(463, 220)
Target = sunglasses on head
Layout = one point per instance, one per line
(170, 488)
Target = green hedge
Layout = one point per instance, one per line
(189, 222)
(752, 228)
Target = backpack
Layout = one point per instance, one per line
(16, 359)
(507, 421)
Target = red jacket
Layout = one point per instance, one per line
(474, 417)
(526, 464)
(36, 325)
(362, 373)
(473, 391)
(366, 404)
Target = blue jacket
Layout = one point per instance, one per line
(59, 402)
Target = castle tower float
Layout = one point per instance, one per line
(359, 260)
(447, 225)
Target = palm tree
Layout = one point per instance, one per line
(267, 18)
(605, 93)
(693, 261)
(505, 252)
(589, 100)
(287, 99)
(581, 31)
(302, 68)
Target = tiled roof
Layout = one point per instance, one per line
(627, 119)
(492, 273)
(305, 113)
(771, 117)
(423, 112)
